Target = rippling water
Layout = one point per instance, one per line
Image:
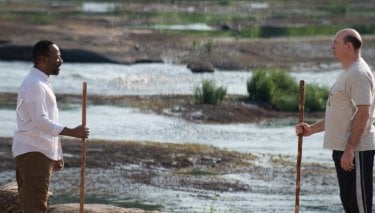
(115, 123)
(141, 79)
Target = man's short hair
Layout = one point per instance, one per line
(354, 40)
(41, 49)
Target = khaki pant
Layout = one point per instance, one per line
(33, 173)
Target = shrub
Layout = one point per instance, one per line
(259, 86)
(282, 91)
(284, 101)
(209, 93)
(315, 98)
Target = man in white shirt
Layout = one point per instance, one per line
(349, 132)
(36, 143)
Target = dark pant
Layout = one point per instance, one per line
(33, 172)
(356, 185)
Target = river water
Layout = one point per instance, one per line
(155, 79)
(118, 123)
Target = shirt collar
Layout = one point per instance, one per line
(41, 75)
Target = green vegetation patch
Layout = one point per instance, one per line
(281, 90)
(209, 93)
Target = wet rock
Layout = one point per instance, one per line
(148, 60)
(10, 203)
(81, 55)
(24, 53)
(9, 200)
(93, 208)
(225, 26)
(14, 52)
(200, 66)
(4, 41)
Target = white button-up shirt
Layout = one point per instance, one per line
(37, 118)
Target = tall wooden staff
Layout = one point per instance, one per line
(300, 141)
(83, 161)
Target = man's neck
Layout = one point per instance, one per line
(41, 69)
(350, 60)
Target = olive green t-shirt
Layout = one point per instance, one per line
(354, 86)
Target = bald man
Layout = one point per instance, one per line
(348, 128)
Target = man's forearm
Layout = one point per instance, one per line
(318, 126)
(66, 131)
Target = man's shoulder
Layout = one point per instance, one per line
(358, 69)
(31, 81)
(31, 84)
(361, 66)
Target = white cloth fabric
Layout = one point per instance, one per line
(354, 86)
(37, 118)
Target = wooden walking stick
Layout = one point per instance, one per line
(300, 141)
(83, 161)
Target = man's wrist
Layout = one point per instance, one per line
(350, 145)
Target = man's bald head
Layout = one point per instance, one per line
(352, 36)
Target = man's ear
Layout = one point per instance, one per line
(349, 46)
(43, 59)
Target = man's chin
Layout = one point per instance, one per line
(56, 72)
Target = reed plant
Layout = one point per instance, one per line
(209, 93)
(280, 89)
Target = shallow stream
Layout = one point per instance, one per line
(274, 137)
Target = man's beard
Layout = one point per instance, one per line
(56, 71)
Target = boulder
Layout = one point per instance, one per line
(200, 66)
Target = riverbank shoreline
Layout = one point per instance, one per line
(129, 169)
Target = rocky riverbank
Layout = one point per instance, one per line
(115, 167)
(89, 41)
